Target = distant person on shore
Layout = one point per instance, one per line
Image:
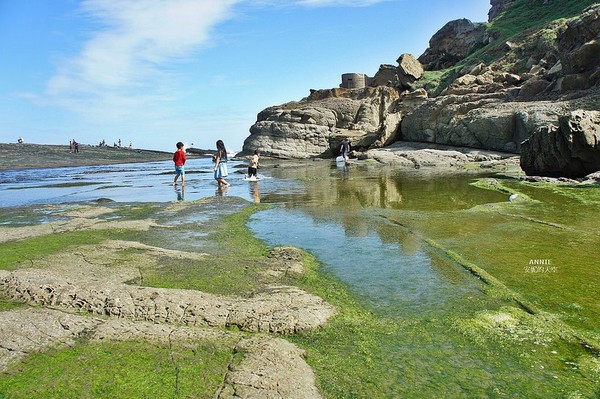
(253, 165)
(20, 140)
(221, 164)
(345, 149)
(73, 146)
(179, 159)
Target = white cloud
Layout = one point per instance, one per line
(132, 50)
(126, 68)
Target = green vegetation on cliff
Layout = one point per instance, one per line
(531, 26)
(525, 17)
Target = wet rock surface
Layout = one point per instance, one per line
(417, 155)
(270, 367)
(88, 294)
(279, 309)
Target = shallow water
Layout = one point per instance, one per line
(381, 230)
(137, 182)
(363, 216)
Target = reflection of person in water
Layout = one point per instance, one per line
(255, 191)
(180, 193)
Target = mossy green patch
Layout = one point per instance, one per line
(499, 186)
(120, 370)
(233, 263)
(15, 252)
(135, 211)
(361, 355)
(8, 304)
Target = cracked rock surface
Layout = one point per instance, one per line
(271, 367)
(279, 309)
(89, 294)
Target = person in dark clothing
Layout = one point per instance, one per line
(345, 149)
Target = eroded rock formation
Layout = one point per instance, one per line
(569, 149)
(535, 80)
(317, 124)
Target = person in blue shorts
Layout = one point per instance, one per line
(221, 164)
(179, 159)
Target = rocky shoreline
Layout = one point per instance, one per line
(37, 156)
(534, 95)
(88, 292)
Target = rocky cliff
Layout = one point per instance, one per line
(498, 91)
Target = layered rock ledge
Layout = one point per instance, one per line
(279, 309)
(522, 89)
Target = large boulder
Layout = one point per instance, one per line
(482, 121)
(580, 30)
(387, 75)
(453, 43)
(408, 71)
(315, 126)
(569, 149)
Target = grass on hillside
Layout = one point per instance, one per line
(531, 23)
(526, 16)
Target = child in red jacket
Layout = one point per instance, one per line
(179, 159)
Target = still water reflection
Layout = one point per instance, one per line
(369, 224)
(141, 182)
(337, 218)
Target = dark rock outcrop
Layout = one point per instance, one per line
(498, 7)
(453, 43)
(569, 149)
(479, 121)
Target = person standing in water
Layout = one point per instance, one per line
(221, 164)
(345, 149)
(179, 159)
(253, 165)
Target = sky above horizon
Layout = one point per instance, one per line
(154, 72)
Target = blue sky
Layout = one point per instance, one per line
(154, 72)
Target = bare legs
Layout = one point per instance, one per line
(222, 182)
(182, 180)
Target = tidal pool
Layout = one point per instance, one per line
(400, 240)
